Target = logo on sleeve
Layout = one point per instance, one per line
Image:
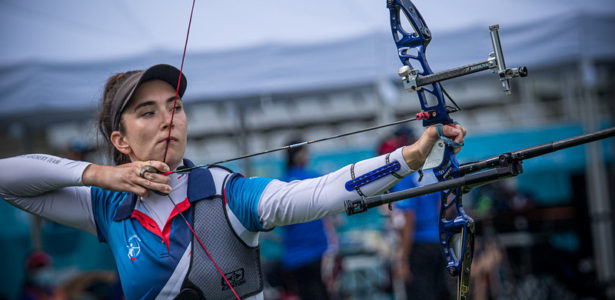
(134, 247)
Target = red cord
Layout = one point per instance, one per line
(166, 149)
(179, 80)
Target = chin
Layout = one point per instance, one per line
(173, 159)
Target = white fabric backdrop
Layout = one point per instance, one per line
(55, 56)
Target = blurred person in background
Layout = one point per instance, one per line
(78, 149)
(39, 282)
(420, 264)
(135, 206)
(305, 244)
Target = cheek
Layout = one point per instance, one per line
(140, 132)
(181, 123)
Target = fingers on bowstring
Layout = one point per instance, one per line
(160, 166)
(150, 173)
(158, 178)
(152, 185)
(152, 170)
(149, 178)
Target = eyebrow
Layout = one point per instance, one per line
(147, 103)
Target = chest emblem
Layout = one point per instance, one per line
(134, 247)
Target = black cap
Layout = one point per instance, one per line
(166, 73)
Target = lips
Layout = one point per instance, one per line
(171, 139)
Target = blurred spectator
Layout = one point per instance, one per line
(419, 260)
(401, 136)
(486, 265)
(304, 244)
(78, 149)
(39, 283)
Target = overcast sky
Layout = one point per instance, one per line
(76, 30)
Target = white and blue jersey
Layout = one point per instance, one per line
(146, 254)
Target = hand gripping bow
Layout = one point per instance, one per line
(455, 226)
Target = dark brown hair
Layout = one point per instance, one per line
(105, 117)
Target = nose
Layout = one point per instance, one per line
(167, 116)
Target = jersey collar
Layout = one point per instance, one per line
(200, 186)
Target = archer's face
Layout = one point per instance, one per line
(146, 124)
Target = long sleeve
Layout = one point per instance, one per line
(283, 203)
(50, 187)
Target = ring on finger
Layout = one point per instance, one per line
(147, 169)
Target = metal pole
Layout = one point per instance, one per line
(597, 185)
(242, 137)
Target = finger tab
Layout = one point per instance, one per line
(147, 169)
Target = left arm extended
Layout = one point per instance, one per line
(299, 201)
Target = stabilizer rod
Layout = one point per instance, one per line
(473, 174)
(531, 152)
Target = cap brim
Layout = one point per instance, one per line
(164, 72)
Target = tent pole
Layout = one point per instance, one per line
(597, 186)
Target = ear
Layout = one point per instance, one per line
(120, 143)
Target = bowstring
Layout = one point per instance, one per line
(166, 149)
(181, 72)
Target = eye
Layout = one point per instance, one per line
(147, 114)
(178, 106)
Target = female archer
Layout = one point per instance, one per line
(174, 234)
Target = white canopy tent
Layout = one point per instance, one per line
(56, 57)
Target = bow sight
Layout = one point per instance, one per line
(413, 81)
